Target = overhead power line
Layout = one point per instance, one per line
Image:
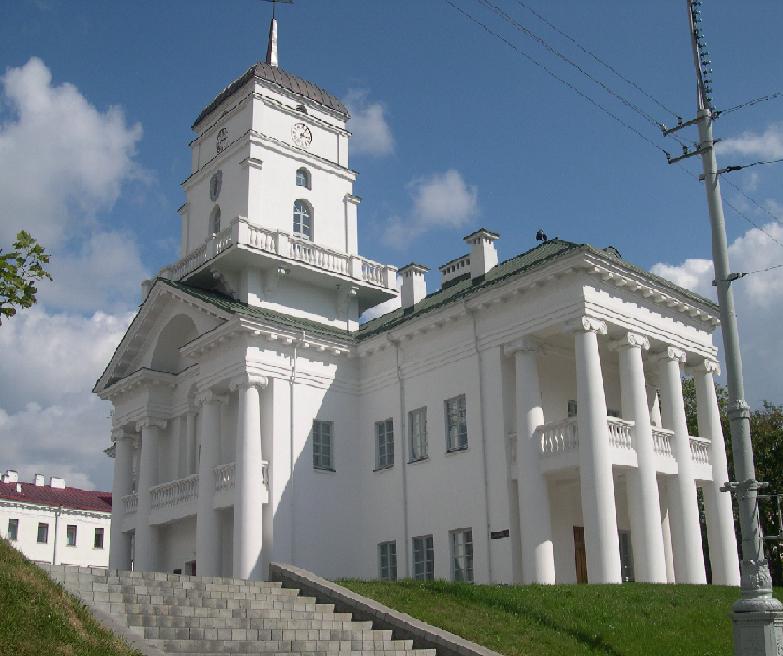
(750, 103)
(739, 167)
(554, 75)
(598, 59)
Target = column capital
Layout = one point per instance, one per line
(150, 422)
(631, 340)
(121, 433)
(246, 381)
(209, 396)
(670, 354)
(521, 345)
(585, 324)
(706, 366)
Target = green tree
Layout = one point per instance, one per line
(20, 270)
(766, 433)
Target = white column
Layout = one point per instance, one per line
(146, 541)
(189, 443)
(535, 524)
(119, 549)
(717, 504)
(595, 466)
(207, 519)
(683, 505)
(644, 503)
(248, 499)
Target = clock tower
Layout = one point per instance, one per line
(270, 217)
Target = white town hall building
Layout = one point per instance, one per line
(523, 423)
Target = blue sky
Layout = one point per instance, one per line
(440, 105)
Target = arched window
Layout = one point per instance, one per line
(303, 219)
(214, 221)
(303, 178)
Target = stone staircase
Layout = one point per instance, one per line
(211, 616)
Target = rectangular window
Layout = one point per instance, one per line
(98, 542)
(456, 424)
(417, 421)
(384, 444)
(70, 535)
(43, 533)
(387, 561)
(323, 448)
(572, 408)
(461, 554)
(13, 529)
(423, 558)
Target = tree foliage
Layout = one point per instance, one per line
(20, 270)
(766, 434)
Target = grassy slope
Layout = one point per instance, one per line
(38, 618)
(627, 620)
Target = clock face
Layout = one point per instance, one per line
(301, 135)
(215, 183)
(221, 140)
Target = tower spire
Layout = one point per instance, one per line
(271, 49)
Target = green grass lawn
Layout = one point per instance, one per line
(620, 620)
(38, 618)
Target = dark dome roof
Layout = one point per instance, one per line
(280, 77)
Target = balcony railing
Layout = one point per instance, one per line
(284, 245)
(620, 434)
(700, 450)
(174, 493)
(226, 477)
(559, 437)
(662, 442)
(130, 502)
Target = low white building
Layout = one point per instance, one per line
(523, 423)
(52, 523)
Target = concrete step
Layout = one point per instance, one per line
(205, 601)
(247, 623)
(123, 608)
(261, 635)
(409, 652)
(240, 646)
(165, 587)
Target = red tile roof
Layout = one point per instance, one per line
(70, 497)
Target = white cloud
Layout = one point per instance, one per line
(759, 302)
(105, 273)
(371, 134)
(69, 160)
(442, 200)
(764, 145)
(66, 165)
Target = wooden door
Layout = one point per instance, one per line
(580, 555)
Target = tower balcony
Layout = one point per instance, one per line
(244, 244)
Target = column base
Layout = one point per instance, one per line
(758, 633)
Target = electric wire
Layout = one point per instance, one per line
(626, 125)
(739, 167)
(750, 103)
(554, 75)
(598, 59)
(557, 53)
(752, 200)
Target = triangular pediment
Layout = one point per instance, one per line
(165, 304)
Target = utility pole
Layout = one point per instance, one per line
(757, 616)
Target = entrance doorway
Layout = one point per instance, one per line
(580, 555)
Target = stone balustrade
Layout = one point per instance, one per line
(225, 477)
(130, 502)
(288, 246)
(700, 450)
(620, 433)
(558, 437)
(174, 493)
(662, 442)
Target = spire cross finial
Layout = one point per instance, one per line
(271, 49)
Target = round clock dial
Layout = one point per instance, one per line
(301, 135)
(215, 183)
(221, 140)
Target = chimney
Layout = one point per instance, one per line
(39, 480)
(57, 482)
(483, 255)
(10, 476)
(414, 286)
